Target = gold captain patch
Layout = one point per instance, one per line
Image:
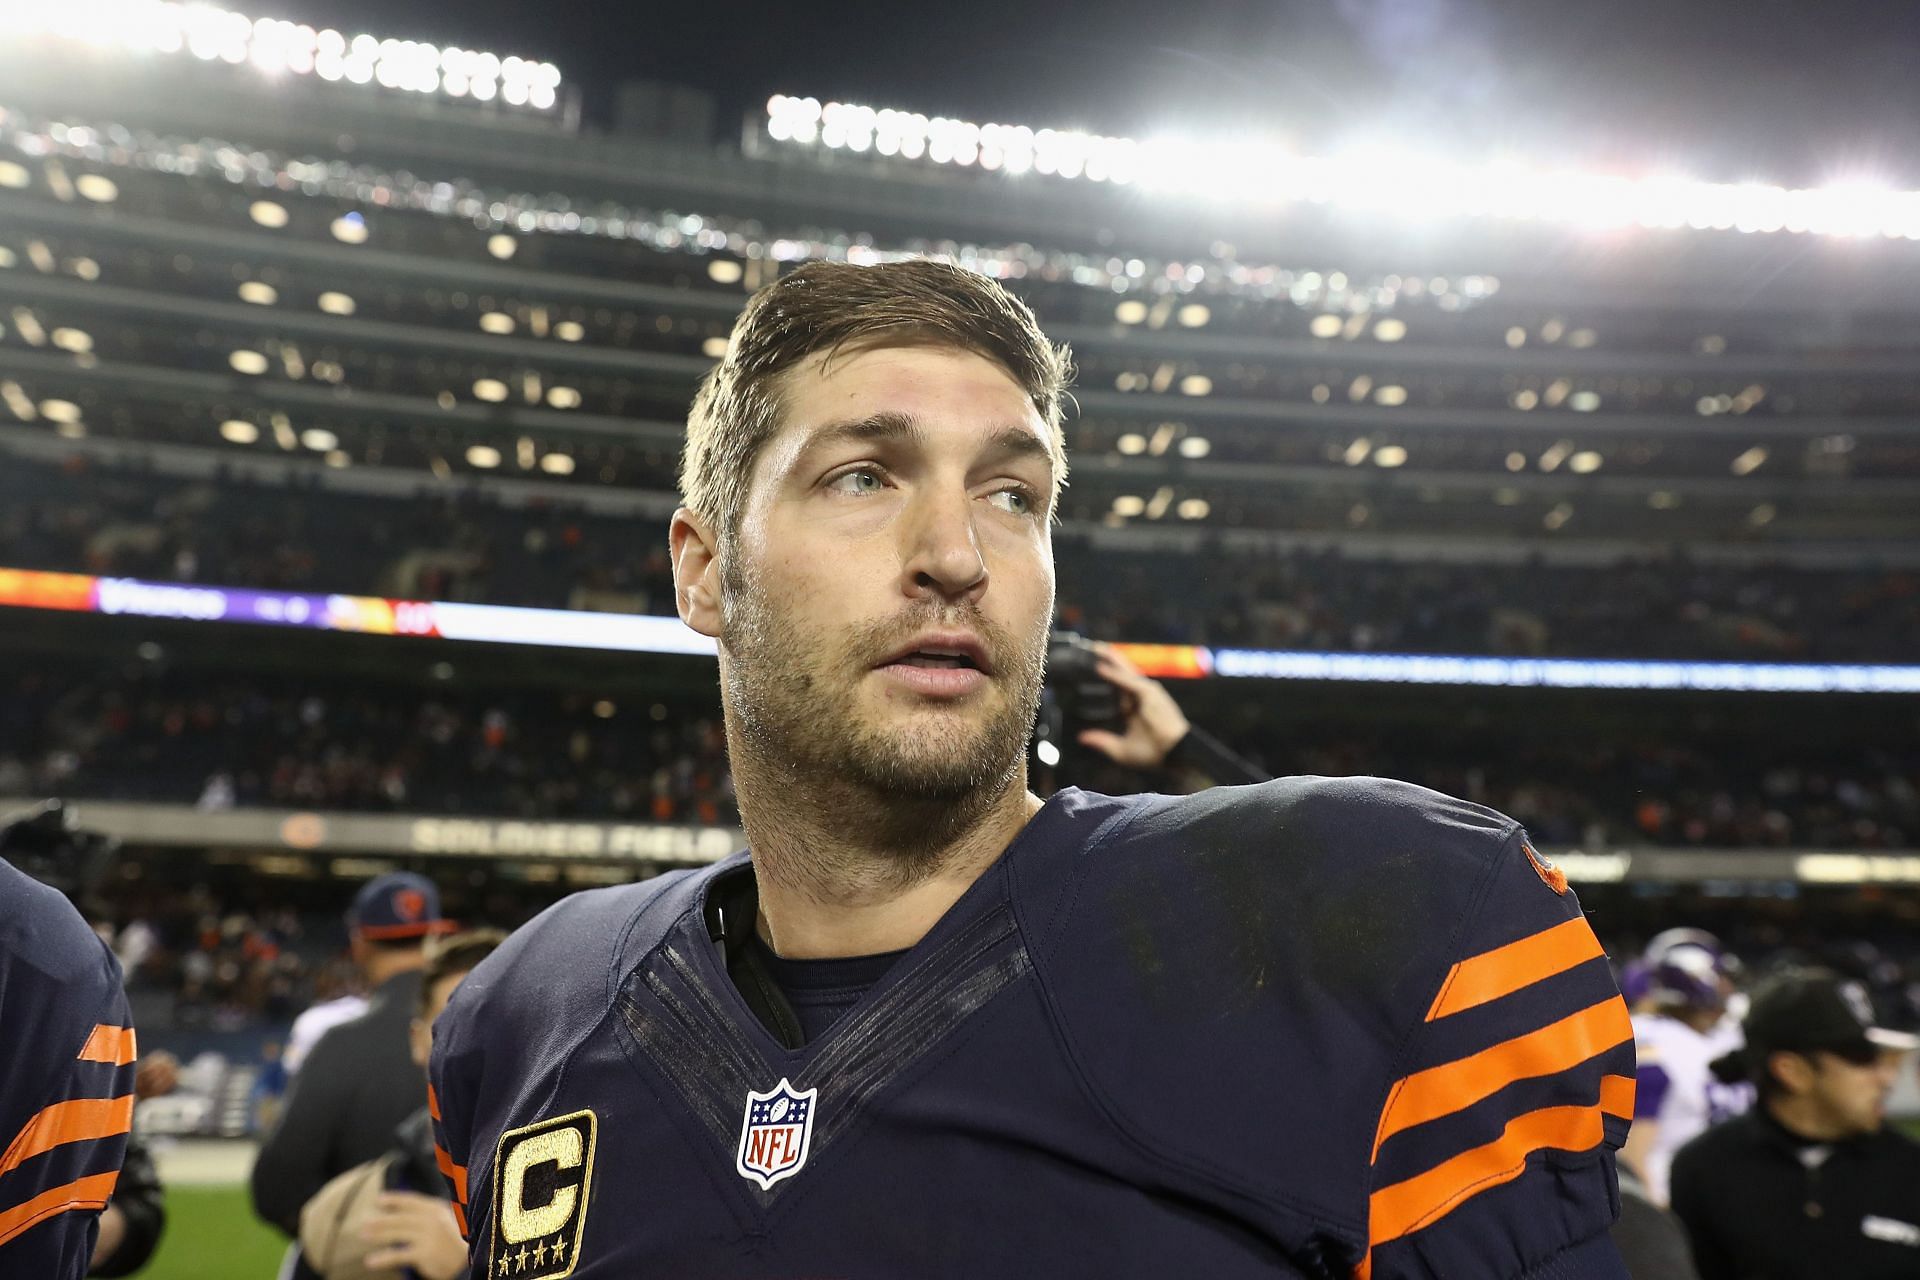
(542, 1183)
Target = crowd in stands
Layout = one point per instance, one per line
(440, 545)
(1672, 608)
(219, 740)
(449, 545)
(1603, 788)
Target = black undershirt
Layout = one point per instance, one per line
(819, 991)
(795, 1000)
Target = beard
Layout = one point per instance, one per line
(799, 722)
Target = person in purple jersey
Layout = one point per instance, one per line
(930, 1024)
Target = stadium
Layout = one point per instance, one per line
(345, 381)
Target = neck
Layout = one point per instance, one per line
(846, 871)
(382, 965)
(1803, 1118)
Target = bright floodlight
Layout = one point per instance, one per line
(276, 48)
(1408, 183)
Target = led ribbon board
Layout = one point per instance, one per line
(635, 633)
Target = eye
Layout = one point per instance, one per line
(1020, 500)
(859, 480)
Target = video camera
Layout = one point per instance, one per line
(1076, 696)
(47, 843)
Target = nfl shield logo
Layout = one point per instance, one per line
(775, 1133)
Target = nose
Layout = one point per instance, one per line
(941, 557)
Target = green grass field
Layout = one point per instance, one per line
(213, 1235)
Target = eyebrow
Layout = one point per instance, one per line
(892, 426)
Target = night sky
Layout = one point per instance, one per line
(1800, 91)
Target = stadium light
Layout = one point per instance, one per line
(1405, 182)
(501, 212)
(275, 48)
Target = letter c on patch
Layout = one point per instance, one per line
(557, 1146)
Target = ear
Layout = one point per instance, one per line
(696, 571)
(1793, 1070)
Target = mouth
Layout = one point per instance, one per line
(953, 651)
(939, 666)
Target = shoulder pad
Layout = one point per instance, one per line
(1236, 972)
(550, 982)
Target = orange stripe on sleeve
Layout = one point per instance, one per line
(1616, 1096)
(1455, 1086)
(460, 1218)
(1424, 1199)
(91, 1192)
(433, 1103)
(109, 1044)
(1504, 970)
(81, 1120)
(456, 1173)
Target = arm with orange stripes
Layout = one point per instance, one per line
(66, 1082)
(449, 1104)
(1494, 1152)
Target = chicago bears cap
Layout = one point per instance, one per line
(399, 904)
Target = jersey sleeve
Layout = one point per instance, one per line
(451, 1091)
(66, 1096)
(1494, 1154)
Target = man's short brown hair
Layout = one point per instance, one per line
(457, 953)
(823, 306)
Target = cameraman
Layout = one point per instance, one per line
(1153, 733)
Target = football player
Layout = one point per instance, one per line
(1681, 989)
(930, 1024)
(66, 1066)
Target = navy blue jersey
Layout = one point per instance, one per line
(66, 1080)
(1315, 1027)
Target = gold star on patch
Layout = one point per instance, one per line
(503, 1263)
(520, 1260)
(559, 1252)
(539, 1256)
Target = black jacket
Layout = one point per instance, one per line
(1651, 1240)
(352, 1092)
(1756, 1210)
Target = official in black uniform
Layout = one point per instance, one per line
(1810, 1184)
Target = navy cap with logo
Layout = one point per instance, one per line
(400, 904)
(1812, 1010)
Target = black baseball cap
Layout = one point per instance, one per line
(1810, 1010)
(396, 906)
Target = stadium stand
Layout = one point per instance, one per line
(347, 337)
(469, 546)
